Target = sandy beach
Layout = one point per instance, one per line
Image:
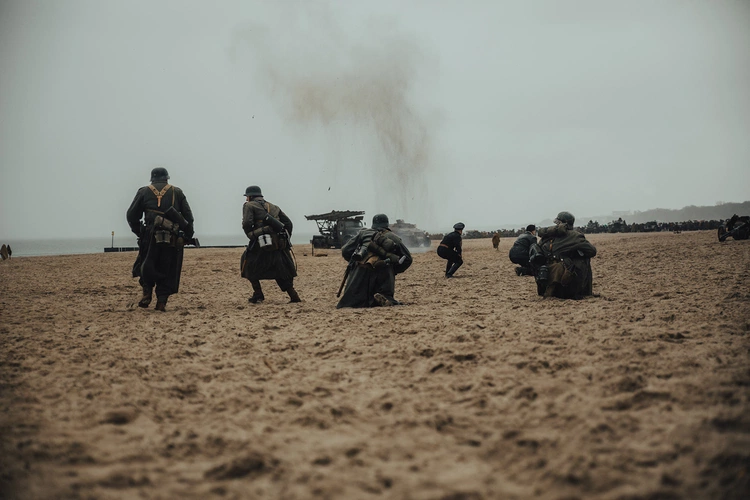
(475, 389)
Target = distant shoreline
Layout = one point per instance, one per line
(75, 246)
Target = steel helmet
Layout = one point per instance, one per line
(565, 218)
(253, 191)
(380, 221)
(159, 174)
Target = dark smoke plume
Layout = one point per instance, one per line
(357, 83)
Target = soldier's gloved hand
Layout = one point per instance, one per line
(189, 232)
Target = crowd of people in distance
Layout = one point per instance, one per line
(592, 227)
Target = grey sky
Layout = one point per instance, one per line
(489, 112)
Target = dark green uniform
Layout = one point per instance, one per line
(373, 272)
(158, 264)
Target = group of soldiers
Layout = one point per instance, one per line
(161, 218)
(560, 261)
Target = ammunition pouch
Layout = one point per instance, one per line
(163, 237)
(166, 232)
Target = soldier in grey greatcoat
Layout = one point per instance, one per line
(153, 217)
(375, 256)
(268, 255)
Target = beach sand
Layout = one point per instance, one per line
(476, 389)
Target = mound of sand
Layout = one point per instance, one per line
(477, 389)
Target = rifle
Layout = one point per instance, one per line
(173, 215)
(349, 267)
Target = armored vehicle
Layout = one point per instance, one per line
(410, 234)
(336, 227)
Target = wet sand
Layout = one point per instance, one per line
(476, 389)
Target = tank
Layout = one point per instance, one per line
(410, 234)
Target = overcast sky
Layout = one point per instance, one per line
(489, 112)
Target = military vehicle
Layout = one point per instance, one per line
(410, 234)
(737, 227)
(336, 227)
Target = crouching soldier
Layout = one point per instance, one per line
(519, 252)
(375, 256)
(269, 252)
(562, 260)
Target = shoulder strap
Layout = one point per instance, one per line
(160, 194)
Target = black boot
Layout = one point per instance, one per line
(257, 293)
(293, 295)
(453, 269)
(146, 298)
(161, 304)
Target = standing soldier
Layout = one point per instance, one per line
(269, 252)
(450, 249)
(167, 224)
(495, 240)
(375, 256)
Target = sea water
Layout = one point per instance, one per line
(72, 246)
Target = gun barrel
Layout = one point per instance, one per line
(734, 230)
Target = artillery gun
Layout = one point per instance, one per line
(336, 227)
(410, 234)
(738, 227)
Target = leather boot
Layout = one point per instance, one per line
(257, 293)
(146, 298)
(382, 300)
(452, 270)
(293, 295)
(161, 304)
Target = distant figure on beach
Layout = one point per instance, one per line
(376, 255)
(268, 255)
(564, 267)
(162, 219)
(519, 252)
(10, 252)
(4, 252)
(495, 240)
(450, 249)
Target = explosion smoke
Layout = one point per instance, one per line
(326, 77)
